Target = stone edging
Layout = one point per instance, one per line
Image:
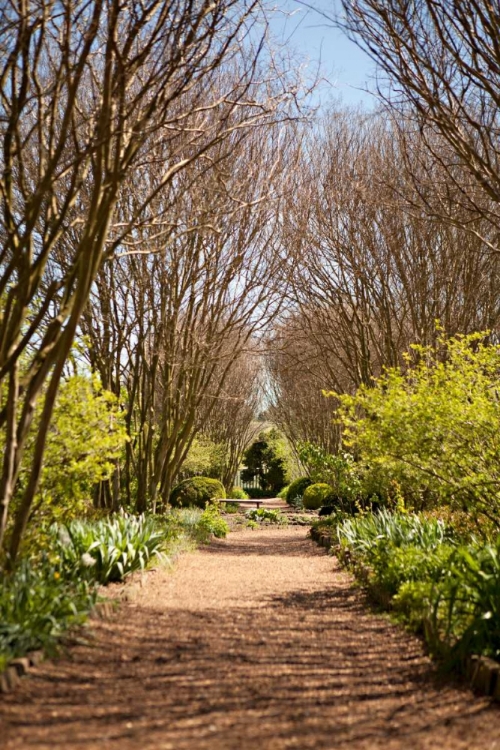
(322, 539)
(482, 673)
(10, 677)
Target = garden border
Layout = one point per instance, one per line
(481, 672)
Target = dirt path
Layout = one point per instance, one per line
(256, 643)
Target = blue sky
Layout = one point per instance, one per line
(346, 68)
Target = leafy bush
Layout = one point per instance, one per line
(354, 483)
(238, 493)
(37, 605)
(464, 605)
(196, 524)
(41, 599)
(297, 488)
(266, 515)
(434, 428)
(316, 495)
(283, 492)
(197, 491)
(211, 523)
(110, 549)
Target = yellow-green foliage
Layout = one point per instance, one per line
(204, 457)
(238, 493)
(434, 427)
(86, 435)
(315, 495)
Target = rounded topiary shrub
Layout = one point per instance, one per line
(197, 491)
(297, 488)
(238, 493)
(315, 495)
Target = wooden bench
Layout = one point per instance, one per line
(257, 503)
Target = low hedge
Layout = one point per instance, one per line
(255, 493)
(197, 491)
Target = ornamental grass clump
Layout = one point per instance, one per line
(447, 590)
(110, 549)
(198, 525)
(464, 616)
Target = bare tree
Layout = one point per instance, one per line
(172, 315)
(231, 421)
(298, 375)
(438, 66)
(370, 271)
(88, 90)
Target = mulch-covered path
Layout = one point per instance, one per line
(257, 642)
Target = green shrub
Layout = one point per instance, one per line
(354, 483)
(41, 599)
(394, 566)
(297, 487)
(86, 437)
(197, 491)
(269, 460)
(110, 549)
(450, 592)
(238, 493)
(283, 492)
(197, 525)
(204, 458)
(211, 523)
(464, 607)
(316, 495)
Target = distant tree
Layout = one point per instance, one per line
(268, 460)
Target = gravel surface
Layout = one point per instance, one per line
(258, 642)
